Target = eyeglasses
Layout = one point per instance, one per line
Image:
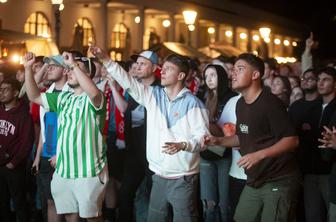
(309, 79)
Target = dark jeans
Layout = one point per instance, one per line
(141, 201)
(332, 212)
(214, 180)
(236, 188)
(12, 185)
(316, 197)
(44, 177)
(134, 173)
(135, 168)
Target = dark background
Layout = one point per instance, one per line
(318, 16)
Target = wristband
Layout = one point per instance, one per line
(185, 146)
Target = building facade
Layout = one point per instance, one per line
(127, 26)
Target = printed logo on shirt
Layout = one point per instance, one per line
(243, 128)
(6, 127)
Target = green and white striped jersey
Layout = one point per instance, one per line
(81, 150)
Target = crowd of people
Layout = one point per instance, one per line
(167, 139)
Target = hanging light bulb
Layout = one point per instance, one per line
(61, 7)
(137, 19)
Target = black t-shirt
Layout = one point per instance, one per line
(309, 118)
(299, 112)
(331, 154)
(260, 125)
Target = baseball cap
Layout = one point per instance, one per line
(57, 59)
(150, 55)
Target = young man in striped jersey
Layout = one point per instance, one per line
(80, 178)
(176, 120)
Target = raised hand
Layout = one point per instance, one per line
(28, 59)
(310, 41)
(68, 58)
(99, 54)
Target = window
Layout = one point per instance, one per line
(37, 24)
(88, 32)
(118, 43)
(119, 34)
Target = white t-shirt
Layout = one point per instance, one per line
(229, 116)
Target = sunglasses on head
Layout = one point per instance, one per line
(84, 59)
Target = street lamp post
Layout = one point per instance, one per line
(56, 9)
(166, 24)
(189, 19)
(265, 34)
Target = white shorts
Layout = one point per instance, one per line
(82, 195)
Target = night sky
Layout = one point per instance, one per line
(319, 16)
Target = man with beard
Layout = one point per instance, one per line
(45, 159)
(316, 169)
(79, 182)
(309, 87)
(16, 142)
(297, 112)
(299, 109)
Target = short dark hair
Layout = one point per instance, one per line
(327, 70)
(39, 59)
(193, 64)
(272, 63)
(254, 61)
(15, 84)
(312, 70)
(182, 62)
